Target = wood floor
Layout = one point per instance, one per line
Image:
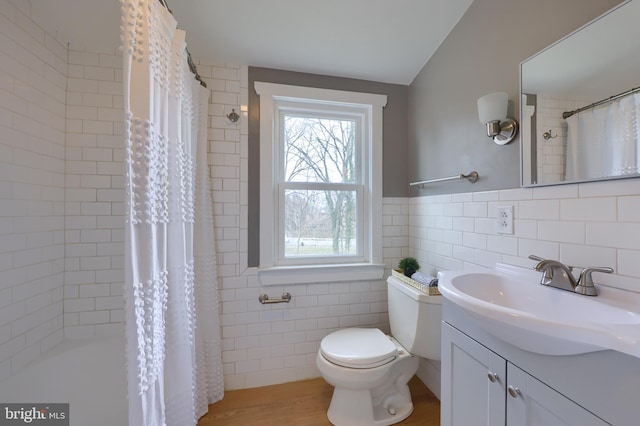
(303, 404)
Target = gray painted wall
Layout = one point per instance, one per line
(482, 54)
(394, 149)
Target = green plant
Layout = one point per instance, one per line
(408, 265)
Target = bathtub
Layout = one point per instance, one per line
(90, 375)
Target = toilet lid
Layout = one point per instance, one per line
(358, 348)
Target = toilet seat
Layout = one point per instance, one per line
(358, 348)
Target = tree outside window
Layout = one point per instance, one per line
(321, 185)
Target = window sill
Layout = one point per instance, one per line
(320, 273)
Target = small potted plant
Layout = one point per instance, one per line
(408, 266)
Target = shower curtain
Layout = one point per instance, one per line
(604, 141)
(174, 367)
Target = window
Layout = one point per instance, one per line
(320, 192)
(320, 184)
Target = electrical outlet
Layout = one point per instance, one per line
(504, 220)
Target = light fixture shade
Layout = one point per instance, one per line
(493, 107)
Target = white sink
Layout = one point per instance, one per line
(511, 304)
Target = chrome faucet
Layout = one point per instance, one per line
(558, 275)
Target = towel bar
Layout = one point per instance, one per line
(263, 298)
(471, 177)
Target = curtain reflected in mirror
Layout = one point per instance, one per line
(603, 142)
(580, 113)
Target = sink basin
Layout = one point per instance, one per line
(511, 304)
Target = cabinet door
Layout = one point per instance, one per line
(532, 403)
(473, 382)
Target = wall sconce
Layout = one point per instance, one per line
(492, 111)
(233, 116)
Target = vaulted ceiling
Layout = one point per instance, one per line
(379, 40)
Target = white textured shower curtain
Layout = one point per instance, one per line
(604, 141)
(174, 367)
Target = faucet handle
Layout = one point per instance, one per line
(585, 282)
(585, 275)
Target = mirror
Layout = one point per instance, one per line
(593, 64)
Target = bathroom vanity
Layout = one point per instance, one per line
(514, 350)
(488, 381)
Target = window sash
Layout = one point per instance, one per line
(314, 110)
(280, 240)
(308, 109)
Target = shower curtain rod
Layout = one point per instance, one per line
(192, 66)
(568, 114)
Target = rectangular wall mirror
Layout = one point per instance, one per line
(579, 112)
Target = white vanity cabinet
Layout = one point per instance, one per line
(479, 387)
(532, 403)
(473, 382)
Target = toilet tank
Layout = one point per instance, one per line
(415, 319)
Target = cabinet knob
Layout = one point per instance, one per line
(493, 377)
(513, 391)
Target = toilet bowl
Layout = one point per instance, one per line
(370, 370)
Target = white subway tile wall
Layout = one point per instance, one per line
(590, 224)
(33, 72)
(94, 195)
(551, 151)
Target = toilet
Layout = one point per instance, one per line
(370, 370)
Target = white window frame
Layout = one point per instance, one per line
(333, 112)
(368, 264)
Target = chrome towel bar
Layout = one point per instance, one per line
(471, 177)
(264, 299)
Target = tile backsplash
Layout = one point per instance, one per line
(589, 224)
